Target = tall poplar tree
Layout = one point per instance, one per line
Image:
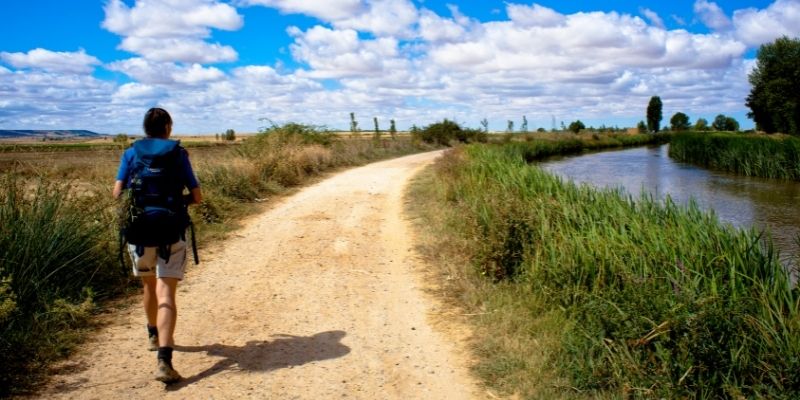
(654, 115)
(774, 100)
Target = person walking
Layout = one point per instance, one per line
(155, 171)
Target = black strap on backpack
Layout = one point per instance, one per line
(194, 243)
(122, 243)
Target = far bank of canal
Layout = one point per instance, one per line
(741, 201)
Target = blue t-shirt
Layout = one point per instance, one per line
(129, 156)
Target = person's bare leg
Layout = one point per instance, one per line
(167, 310)
(167, 316)
(150, 301)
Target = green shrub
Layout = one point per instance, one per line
(576, 126)
(294, 132)
(442, 133)
(470, 135)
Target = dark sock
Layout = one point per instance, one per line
(152, 330)
(165, 353)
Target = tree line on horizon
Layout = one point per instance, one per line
(774, 101)
(680, 122)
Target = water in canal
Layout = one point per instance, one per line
(741, 201)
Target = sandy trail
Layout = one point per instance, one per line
(320, 297)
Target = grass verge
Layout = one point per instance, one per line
(58, 238)
(585, 293)
(57, 258)
(774, 156)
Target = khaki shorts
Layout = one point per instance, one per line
(150, 264)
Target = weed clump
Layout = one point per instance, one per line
(56, 259)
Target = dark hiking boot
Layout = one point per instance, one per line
(165, 373)
(152, 338)
(152, 342)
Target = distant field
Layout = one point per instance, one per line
(96, 144)
(82, 161)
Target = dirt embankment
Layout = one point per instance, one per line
(320, 297)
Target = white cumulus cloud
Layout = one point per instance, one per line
(137, 93)
(77, 62)
(328, 10)
(534, 15)
(711, 15)
(198, 74)
(170, 18)
(433, 28)
(39, 99)
(379, 17)
(173, 30)
(335, 53)
(756, 27)
(383, 18)
(653, 17)
(166, 73)
(179, 49)
(585, 46)
(145, 71)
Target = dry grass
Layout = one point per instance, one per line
(63, 198)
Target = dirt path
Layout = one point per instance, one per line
(318, 298)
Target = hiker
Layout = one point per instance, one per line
(156, 170)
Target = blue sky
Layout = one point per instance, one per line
(225, 64)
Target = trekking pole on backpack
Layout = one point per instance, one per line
(123, 219)
(194, 243)
(122, 250)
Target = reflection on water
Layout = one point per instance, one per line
(742, 201)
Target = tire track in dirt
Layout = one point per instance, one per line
(319, 297)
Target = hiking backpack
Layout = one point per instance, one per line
(157, 215)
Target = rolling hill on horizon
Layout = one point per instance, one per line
(49, 134)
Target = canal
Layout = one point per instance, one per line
(769, 205)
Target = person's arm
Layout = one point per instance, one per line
(117, 189)
(195, 195)
(122, 175)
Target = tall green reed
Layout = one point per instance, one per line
(662, 300)
(744, 154)
(54, 243)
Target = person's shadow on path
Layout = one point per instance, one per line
(266, 355)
